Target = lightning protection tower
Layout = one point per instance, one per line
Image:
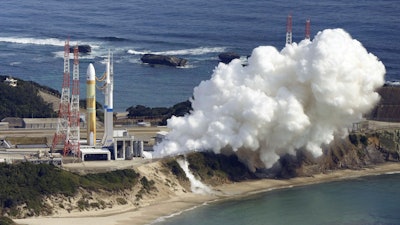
(308, 29)
(61, 134)
(74, 120)
(289, 30)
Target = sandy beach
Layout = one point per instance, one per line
(167, 205)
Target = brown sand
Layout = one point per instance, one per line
(167, 205)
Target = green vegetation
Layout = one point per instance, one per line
(211, 168)
(147, 187)
(110, 181)
(83, 204)
(121, 201)
(208, 165)
(176, 170)
(179, 109)
(6, 221)
(26, 183)
(23, 101)
(355, 139)
(364, 140)
(42, 87)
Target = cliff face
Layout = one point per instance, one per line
(356, 151)
(388, 144)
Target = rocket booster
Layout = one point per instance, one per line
(91, 104)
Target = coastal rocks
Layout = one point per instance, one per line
(166, 60)
(227, 57)
(82, 49)
(173, 61)
(388, 144)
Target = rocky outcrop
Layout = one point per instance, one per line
(387, 142)
(165, 60)
(357, 151)
(227, 57)
(82, 49)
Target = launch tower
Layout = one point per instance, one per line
(289, 30)
(64, 110)
(74, 134)
(308, 29)
(68, 131)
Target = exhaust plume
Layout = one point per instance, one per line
(281, 101)
(196, 185)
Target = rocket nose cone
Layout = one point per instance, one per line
(90, 72)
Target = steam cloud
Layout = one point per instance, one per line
(281, 101)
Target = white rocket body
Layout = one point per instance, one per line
(108, 104)
(91, 105)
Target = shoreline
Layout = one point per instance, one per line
(168, 206)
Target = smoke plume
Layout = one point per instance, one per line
(282, 101)
(196, 185)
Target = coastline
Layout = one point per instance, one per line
(165, 206)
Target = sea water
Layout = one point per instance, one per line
(373, 200)
(32, 35)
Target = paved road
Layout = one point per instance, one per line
(140, 133)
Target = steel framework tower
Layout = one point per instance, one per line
(74, 132)
(289, 30)
(308, 29)
(64, 110)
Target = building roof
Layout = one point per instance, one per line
(92, 150)
(13, 121)
(39, 120)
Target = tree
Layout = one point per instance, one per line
(23, 101)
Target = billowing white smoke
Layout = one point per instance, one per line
(196, 185)
(281, 101)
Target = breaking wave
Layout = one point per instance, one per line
(190, 51)
(33, 41)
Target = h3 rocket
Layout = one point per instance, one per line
(108, 103)
(91, 105)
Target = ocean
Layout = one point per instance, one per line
(32, 35)
(372, 200)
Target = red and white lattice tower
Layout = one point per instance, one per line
(308, 29)
(61, 134)
(289, 30)
(74, 131)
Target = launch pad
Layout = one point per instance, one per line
(115, 144)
